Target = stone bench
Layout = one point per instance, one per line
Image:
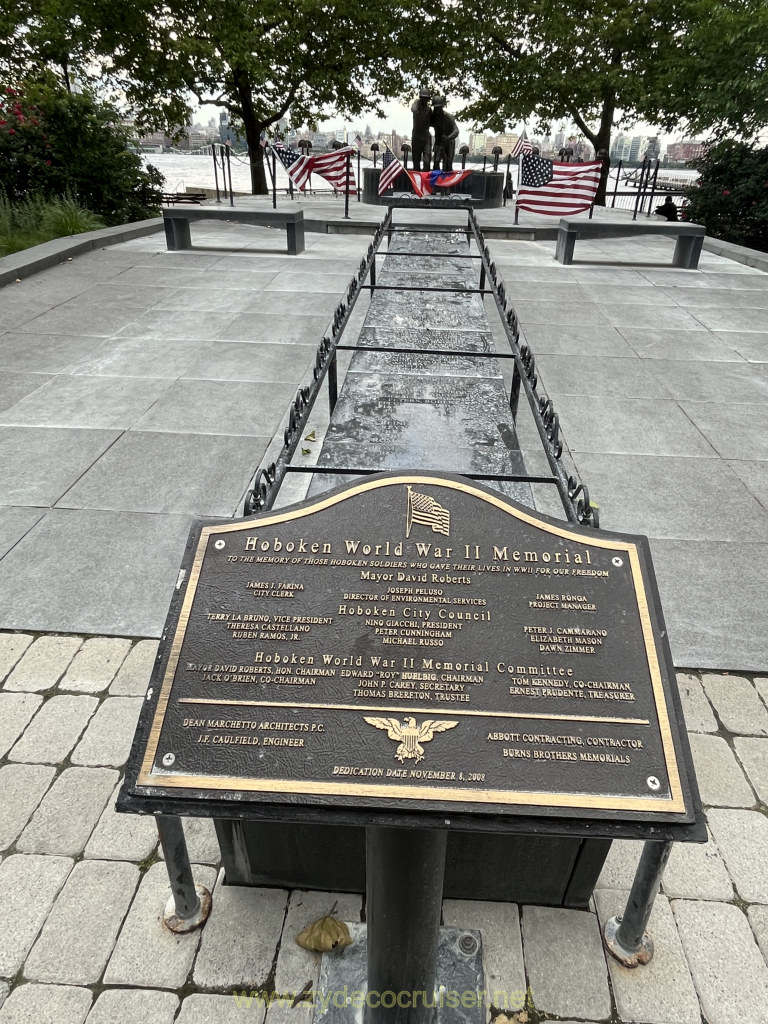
(177, 223)
(690, 237)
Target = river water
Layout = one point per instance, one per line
(196, 172)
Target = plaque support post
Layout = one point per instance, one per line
(625, 936)
(190, 904)
(404, 894)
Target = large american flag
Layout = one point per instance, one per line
(333, 167)
(425, 182)
(299, 167)
(523, 145)
(555, 188)
(390, 169)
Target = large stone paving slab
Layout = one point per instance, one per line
(219, 407)
(726, 625)
(39, 464)
(44, 353)
(93, 403)
(15, 522)
(147, 471)
(621, 484)
(124, 564)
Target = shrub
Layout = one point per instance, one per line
(54, 143)
(731, 195)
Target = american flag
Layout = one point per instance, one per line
(299, 167)
(523, 145)
(390, 169)
(555, 188)
(425, 510)
(358, 140)
(425, 182)
(333, 167)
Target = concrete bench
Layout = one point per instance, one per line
(690, 237)
(177, 223)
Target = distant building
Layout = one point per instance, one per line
(688, 149)
(477, 143)
(638, 147)
(505, 141)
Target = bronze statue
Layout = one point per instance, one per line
(446, 133)
(421, 140)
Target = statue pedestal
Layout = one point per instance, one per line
(483, 189)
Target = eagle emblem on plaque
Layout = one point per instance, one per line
(409, 735)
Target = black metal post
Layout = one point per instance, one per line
(624, 936)
(346, 190)
(229, 175)
(616, 185)
(274, 180)
(373, 273)
(189, 905)
(484, 160)
(333, 384)
(653, 188)
(514, 393)
(404, 893)
(215, 172)
(359, 179)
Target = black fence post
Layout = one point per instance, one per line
(215, 172)
(229, 175)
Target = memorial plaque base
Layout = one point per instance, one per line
(558, 871)
(342, 988)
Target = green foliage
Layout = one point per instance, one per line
(261, 59)
(54, 143)
(731, 195)
(603, 63)
(34, 220)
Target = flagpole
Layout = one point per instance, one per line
(346, 191)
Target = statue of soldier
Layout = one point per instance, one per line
(446, 133)
(421, 140)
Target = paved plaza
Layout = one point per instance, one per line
(140, 389)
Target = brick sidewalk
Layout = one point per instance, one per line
(84, 888)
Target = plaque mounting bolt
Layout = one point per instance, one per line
(468, 944)
(618, 562)
(168, 759)
(219, 545)
(653, 783)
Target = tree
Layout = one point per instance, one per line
(731, 194)
(601, 64)
(54, 143)
(260, 59)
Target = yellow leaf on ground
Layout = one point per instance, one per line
(324, 934)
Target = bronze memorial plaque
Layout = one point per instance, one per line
(415, 641)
